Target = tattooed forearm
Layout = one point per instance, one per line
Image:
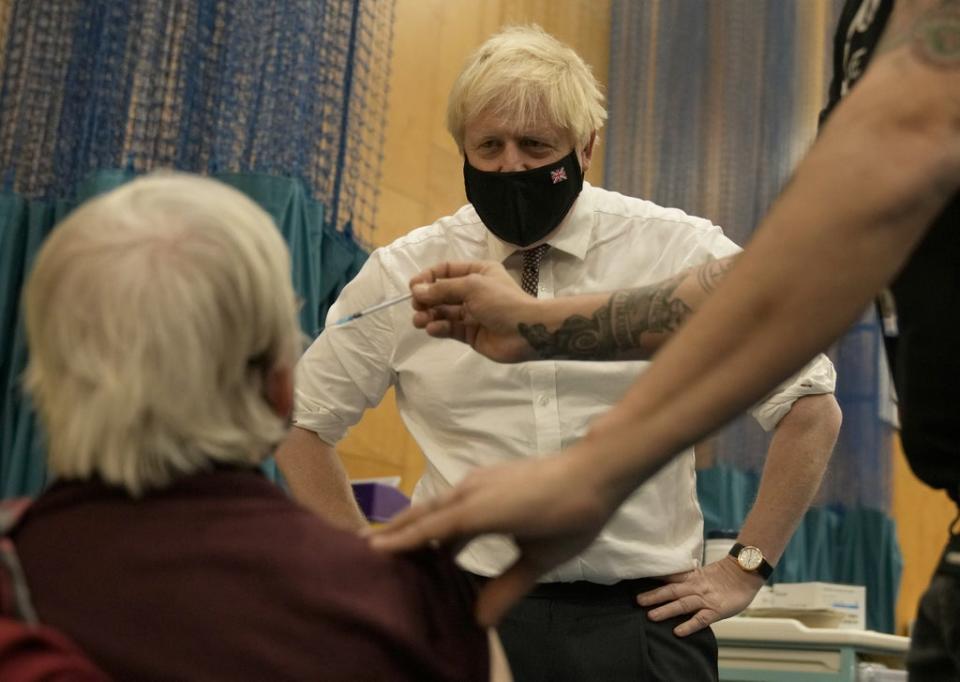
(578, 338)
(709, 275)
(629, 320)
(613, 328)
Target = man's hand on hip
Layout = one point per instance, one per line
(711, 593)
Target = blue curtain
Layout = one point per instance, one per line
(711, 106)
(283, 100)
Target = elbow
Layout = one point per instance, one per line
(820, 415)
(832, 416)
(828, 413)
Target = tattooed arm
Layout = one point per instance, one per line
(480, 304)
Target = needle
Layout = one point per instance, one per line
(372, 309)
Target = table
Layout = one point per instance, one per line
(785, 650)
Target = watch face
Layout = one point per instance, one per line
(750, 558)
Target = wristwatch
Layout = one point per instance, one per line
(751, 560)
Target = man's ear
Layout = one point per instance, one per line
(586, 152)
(278, 389)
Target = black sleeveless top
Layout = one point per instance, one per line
(925, 356)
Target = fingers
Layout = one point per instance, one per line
(702, 619)
(500, 594)
(386, 534)
(422, 318)
(442, 329)
(435, 522)
(451, 281)
(687, 604)
(428, 276)
(453, 291)
(444, 322)
(447, 270)
(453, 313)
(661, 594)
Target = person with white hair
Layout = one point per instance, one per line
(162, 330)
(525, 112)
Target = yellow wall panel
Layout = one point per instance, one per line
(923, 516)
(403, 211)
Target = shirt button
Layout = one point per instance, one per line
(544, 401)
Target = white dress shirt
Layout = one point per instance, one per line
(466, 411)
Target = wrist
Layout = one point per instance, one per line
(750, 560)
(549, 312)
(584, 463)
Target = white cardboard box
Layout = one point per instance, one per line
(848, 600)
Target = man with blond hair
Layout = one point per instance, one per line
(875, 203)
(163, 332)
(525, 112)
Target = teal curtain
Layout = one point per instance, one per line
(324, 260)
(854, 545)
(283, 100)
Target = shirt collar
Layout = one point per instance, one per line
(573, 234)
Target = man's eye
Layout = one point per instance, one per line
(489, 144)
(535, 144)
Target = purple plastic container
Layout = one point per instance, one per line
(379, 502)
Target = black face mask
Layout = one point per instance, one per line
(525, 206)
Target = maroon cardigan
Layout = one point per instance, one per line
(222, 577)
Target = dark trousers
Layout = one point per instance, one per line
(935, 643)
(584, 632)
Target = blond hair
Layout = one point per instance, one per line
(525, 74)
(154, 314)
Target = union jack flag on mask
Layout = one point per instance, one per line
(558, 175)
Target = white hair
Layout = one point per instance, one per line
(154, 314)
(525, 74)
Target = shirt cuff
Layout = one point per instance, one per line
(817, 378)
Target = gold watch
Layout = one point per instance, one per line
(751, 560)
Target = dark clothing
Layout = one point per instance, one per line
(935, 643)
(29, 652)
(926, 360)
(860, 28)
(572, 632)
(927, 369)
(222, 577)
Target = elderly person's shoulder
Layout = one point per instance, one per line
(226, 550)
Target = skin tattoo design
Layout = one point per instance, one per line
(617, 327)
(934, 37)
